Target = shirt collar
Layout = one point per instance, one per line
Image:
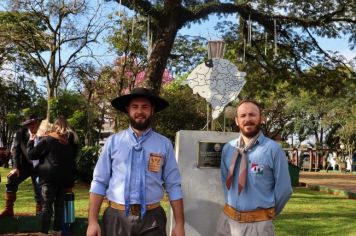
(132, 132)
(259, 139)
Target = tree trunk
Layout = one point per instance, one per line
(162, 45)
(50, 96)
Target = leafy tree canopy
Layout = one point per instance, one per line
(17, 30)
(298, 24)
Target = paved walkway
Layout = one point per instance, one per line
(345, 182)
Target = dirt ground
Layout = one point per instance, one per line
(332, 180)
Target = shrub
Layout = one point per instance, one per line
(87, 158)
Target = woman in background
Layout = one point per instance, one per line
(56, 153)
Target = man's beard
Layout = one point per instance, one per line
(140, 125)
(252, 133)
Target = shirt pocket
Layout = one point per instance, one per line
(259, 168)
(155, 162)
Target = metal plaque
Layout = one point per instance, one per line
(209, 155)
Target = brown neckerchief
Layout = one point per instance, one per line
(240, 151)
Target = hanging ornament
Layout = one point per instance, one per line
(119, 9)
(133, 25)
(244, 52)
(237, 33)
(265, 43)
(122, 22)
(249, 31)
(275, 37)
(149, 39)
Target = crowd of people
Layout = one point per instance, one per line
(138, 165)
(46, 153)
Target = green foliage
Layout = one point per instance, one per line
(26, 112)
(78, 122)
(88, 156)
(69, 102)
(18, 99)
(187, 53)
(77, 110)
(128, 36)
(186, 111)
(15, 26)
(78, 119)
(54, 107)
(66, 103)
(342, 114)
(11, 119)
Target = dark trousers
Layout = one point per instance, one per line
(53, 198)
(116, 223)
(13, 182)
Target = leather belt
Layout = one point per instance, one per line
(135, 209)
(250, 216)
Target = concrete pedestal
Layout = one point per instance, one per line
(202, 187)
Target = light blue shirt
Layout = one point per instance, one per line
(268, 182)
(111, 170)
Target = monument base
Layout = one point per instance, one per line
(201, 181)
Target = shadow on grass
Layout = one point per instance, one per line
(30, 224)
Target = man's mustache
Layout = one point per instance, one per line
(140, 115)
(249, 123)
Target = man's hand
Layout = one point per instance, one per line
(95, 201)
(93, 229)
(13, 172)
(178, 213)
(178, 230)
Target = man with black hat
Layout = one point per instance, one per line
(22, 167)
(134, 167)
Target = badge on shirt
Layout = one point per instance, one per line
(257, 168)
(155, 162)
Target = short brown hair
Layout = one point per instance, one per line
(250, 101)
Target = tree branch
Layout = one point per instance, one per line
(327, 54)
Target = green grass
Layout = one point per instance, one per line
(25, 203)
(314, 213)
(307, 213)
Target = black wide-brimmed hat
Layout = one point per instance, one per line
(120, 103)
(31, 119)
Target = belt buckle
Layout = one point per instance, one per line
(135, 209)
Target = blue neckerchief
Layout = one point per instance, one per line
(137, 146)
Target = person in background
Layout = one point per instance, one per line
(22, 167)
(5, 156)
(134, 168)
(56, 153)
(255, 177)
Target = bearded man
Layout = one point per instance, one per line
(134, 168)
(255, 177)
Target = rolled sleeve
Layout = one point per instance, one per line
(102, 171)
(283, 188)
(171, 176)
